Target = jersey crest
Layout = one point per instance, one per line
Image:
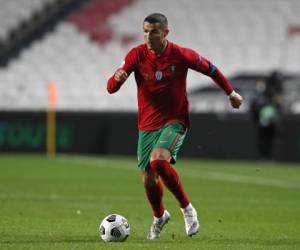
(158, 75)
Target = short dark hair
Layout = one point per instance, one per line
(157, 18)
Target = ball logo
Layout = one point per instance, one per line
(158, 75)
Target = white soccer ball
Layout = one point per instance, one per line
(114, 228)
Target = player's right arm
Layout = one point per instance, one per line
(115, 82)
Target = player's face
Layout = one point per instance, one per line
(154, 36)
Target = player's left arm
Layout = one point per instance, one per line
(209, 69)
(201, 64)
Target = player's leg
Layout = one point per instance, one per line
(152, 184)
(154, 192)
(172, 181)
(164, 152)
(161, 165)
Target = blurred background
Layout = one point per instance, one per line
(74, 46)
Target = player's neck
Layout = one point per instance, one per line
(158, 51)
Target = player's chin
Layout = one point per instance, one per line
(149, 45)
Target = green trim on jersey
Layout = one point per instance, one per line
(170, 137)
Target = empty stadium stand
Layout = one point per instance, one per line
(13, 12)
(83, 50)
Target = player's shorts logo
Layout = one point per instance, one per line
(158, 75)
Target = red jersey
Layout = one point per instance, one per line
(161, 83)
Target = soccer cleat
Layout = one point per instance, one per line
(190, 220)
(157, 226)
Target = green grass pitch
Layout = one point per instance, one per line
(58, 203)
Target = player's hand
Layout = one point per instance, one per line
(121, 75)
(235, 100)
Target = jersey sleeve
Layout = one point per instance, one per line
(201, 64)
(128, 65)
(130, 61)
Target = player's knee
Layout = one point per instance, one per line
(160, 154)
(161, 157)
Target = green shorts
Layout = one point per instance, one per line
(170, 137)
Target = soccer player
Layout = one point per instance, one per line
(160, 68)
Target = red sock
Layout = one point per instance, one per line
(154, 192)
(171, 180)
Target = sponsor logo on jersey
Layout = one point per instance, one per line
(172, 67)
(146, 76)
(158, 75)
